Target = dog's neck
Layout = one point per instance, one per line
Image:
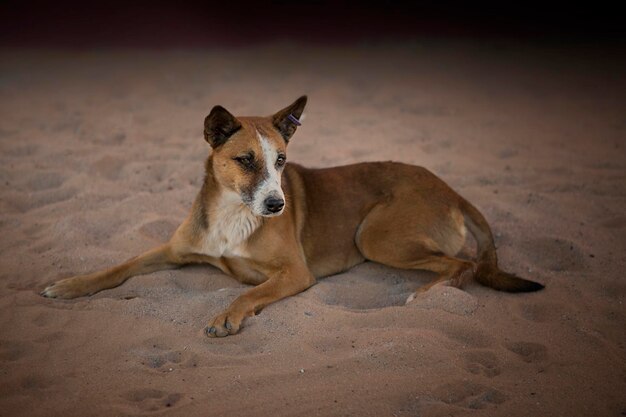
(229, 221)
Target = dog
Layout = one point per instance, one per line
(282, 226)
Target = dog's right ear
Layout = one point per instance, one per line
(219, 125)
(287, 120)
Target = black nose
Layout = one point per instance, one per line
(274, 204)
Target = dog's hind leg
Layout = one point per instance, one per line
(450, 271)
(393, 235)
(162, 257)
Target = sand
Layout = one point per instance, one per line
(102, 154)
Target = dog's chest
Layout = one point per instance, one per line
(230, 226)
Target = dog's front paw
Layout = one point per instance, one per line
(227, 323)
(67, 288)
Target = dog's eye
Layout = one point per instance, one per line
(281, 160)
(245, 160)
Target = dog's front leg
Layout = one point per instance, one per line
(289, 280)
(162, 257)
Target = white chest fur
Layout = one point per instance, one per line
(231, 223)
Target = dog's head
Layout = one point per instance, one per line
(249, 154)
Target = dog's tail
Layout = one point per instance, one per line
(487, 271)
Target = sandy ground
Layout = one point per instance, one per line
(102, 154)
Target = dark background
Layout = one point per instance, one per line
(77, 24)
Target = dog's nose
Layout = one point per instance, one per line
(274, 204)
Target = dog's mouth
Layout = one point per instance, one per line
(263, 211)
(267, 213)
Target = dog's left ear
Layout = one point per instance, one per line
(288, 119)
(220, 125)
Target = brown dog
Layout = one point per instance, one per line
(280, 226)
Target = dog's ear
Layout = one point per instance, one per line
(288, 119)
(219, 125)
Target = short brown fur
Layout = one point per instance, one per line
(396, 214)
